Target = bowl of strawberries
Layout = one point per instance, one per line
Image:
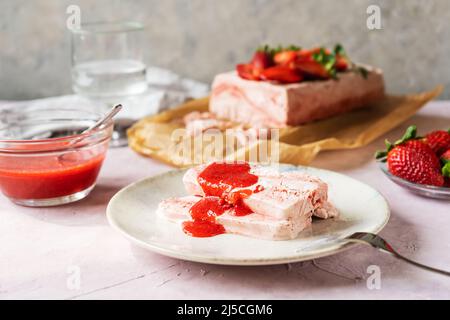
(419, 163)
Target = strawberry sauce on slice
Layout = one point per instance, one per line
(204, 213)
(240, 209)
(220, 178)
(217, 182)
(202, 229)
(208, 208)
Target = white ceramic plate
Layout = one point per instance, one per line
(132, 211)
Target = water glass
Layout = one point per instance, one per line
(108, 66)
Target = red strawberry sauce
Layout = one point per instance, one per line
(48, 178)
(217, 182)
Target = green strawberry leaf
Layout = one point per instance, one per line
(327, 61)
(339, 49)
(292, 47)
(446, 170)
(445, 160)
(389, 145)
(363, 71)
(411, 133)
(381, 155)
(272, 51)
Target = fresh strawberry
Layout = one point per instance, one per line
(422, 147)
(409, 135)
(447, 182)
(341, 63)
(445, 158)
(247, 71)
(411, 159)
(312, 68)
(439, 141)
(285, 58)
(410, 140)
(312, 64)
(281, 74)
(414, 166)
(261, 60)
(307, 53)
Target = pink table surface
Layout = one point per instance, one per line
(41, 250)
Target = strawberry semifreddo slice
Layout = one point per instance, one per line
(253, 225)
(278, 195)
(246, 199)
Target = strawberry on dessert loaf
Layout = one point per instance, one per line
(249, 200)
(293, 86)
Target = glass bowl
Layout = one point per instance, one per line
(46, 160)
(420, 189)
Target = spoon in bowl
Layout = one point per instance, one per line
(109, 115)
(98, 124)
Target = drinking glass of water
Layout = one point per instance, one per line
(108, 67)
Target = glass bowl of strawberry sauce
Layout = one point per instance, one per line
(46, 160)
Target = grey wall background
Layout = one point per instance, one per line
(199, 38)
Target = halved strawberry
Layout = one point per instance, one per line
(341, 63)
(285, 57)
(261, 60)
(414, 166)
(439, 141)
(248, 71)
(311, 68)
(307, 53)
(281, 74)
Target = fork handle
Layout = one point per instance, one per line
(381, 244)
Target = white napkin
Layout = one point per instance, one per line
(166, 89)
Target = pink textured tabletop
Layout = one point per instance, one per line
(43, 251)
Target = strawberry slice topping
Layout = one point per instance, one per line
(312, 68)
(341, 63)
(281, 74)
(248, 71)
(272, 64)
(261, 60)
(285, 58)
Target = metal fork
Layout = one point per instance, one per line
(381, 244)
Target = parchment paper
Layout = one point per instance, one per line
(153, 136)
